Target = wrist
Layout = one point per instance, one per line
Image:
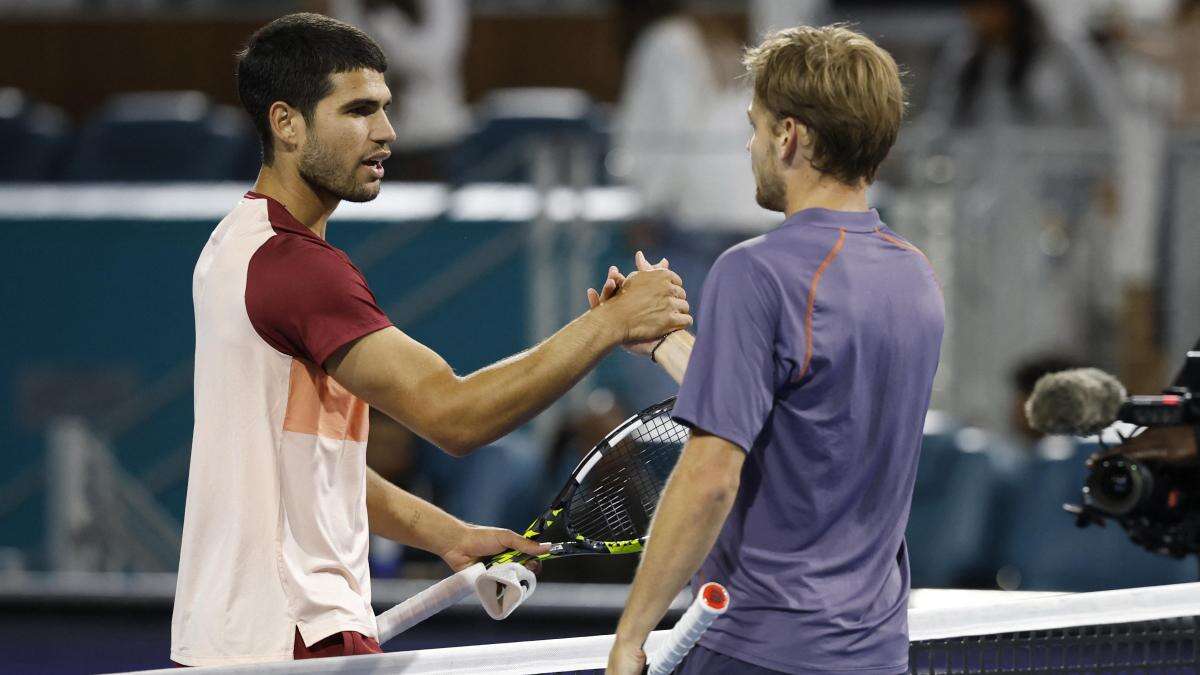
(451, 539)
(607, 325)
(628, 640)
(658, 344)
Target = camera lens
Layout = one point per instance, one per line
(1118, 485)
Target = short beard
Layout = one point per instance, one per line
(321, 169)
(769, 192)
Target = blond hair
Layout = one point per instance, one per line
(838, 83)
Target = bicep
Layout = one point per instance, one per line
(397, 375)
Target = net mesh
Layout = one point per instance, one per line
(1167, 645)
(616, 499)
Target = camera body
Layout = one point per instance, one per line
(1157, 502)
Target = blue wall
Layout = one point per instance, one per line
(115, 296)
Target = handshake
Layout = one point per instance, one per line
(643, 307)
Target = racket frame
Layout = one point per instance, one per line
(577, 544)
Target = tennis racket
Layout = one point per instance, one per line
(605, 508)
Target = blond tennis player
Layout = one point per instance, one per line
(806, 390)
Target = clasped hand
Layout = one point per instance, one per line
(615, 281)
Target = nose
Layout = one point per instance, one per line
(382, 132)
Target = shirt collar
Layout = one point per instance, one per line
(852, 221)
(281, 217)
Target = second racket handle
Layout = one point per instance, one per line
(710, 602)
(428, 602)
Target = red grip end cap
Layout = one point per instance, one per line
(714, 595)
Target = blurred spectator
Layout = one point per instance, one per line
(1005, 70)
(392, 453)
(1014, 452)
(1128, 50)
(392, 450)
(1024, 377)
(680, 140)
(681, 126)
(495, 485)
(424, 41)
(1186, 57)
(577, 435)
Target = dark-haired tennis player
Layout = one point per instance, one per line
(291, 349)
(806, 391)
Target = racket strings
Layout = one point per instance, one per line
(617, 498)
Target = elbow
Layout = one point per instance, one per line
(450, 422)
(718, 489)
(456, 444)
(457, 436)
(724, 492)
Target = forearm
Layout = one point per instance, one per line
(687, 522)
(408, 519)
(673, 354)
(499, 398)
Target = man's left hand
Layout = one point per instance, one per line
(625, 659)
(475, 541)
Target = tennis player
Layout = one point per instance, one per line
(806, 390)
(292, 348)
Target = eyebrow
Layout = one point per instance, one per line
(369, 102)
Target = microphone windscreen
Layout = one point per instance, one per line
(1081, 402)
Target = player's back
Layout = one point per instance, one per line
(850, 318)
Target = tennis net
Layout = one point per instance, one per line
(1141, 630)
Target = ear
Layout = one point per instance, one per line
(794, 140)
(787, 139)
(287, 125)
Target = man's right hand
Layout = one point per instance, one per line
(648, 305)
(613, 283)
(1164, 444)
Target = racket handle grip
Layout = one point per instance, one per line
(710, 602)
(427, 603)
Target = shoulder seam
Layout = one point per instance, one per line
(812, 302)
(909, 247)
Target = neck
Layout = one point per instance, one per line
(809, 189)
(306, 204)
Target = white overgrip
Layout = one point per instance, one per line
(428, 602)
(710, 602)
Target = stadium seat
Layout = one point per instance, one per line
(160, 136)
(34, 136)
(946, 529)
(513, 122)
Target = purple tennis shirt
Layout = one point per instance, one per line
(815, 353)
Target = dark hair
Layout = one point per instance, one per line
(1029, 370)
(291, 59)
(1025, 44)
